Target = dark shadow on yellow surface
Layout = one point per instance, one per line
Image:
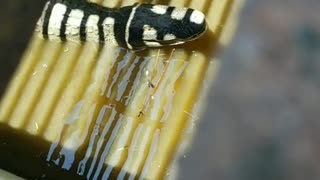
(25, 155)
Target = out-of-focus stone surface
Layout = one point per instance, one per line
(17, 20)
(263, 116)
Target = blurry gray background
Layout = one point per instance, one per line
(263, 116)
(17, 20)
(262, 120)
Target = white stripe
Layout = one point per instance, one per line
(108, 29)
(56, 18)
(128, 25)
(178, 13)
(159, 9)
(168, 37)
(92, 29)
(73, 24)
(197, 17)
(152, 44)
(149, 33)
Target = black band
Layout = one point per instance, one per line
(63, 27)
(83, 34)
(46, 20)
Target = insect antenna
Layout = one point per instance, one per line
(156, 85)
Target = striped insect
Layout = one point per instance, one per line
(133, 27)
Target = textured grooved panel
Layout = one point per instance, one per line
(108, 112)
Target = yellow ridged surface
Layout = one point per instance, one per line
(88, 98)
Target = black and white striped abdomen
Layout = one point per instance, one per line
(134, 27)
(60, 21)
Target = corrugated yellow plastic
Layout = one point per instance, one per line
(126, 111)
